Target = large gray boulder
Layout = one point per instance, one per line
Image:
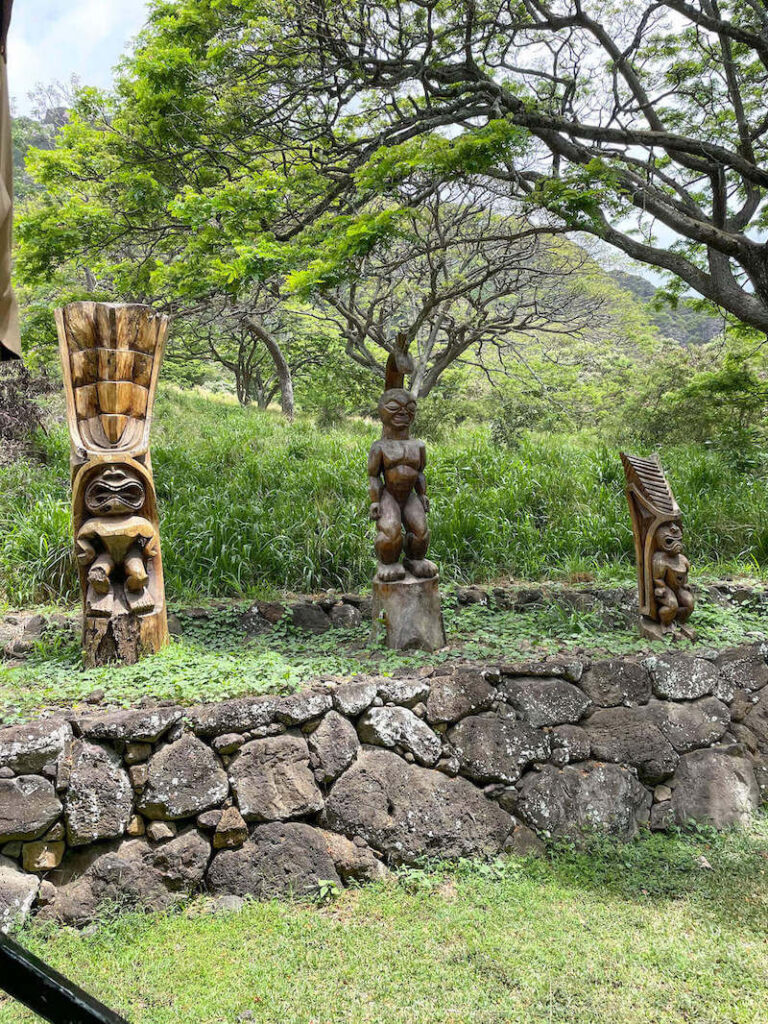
(744, 668)
(714, 787)
(28, 807)
(464, 692)
(240, 715)
(334, 744)
(399, 727)
(18, 892)
(617, 681)
(408, 691)
(757, 720)
(680, 677)
(139, 725)
(26, 749)
(496, 748)
(184, 779)
(99, 799)
(355, 696)
(584, 798)
(131, 873)
(630, 736)
(543, 702)
(280, 859)
(407, 812)
(302, 707)
(697, 723)
(272, 779)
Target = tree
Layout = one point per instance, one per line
(614, 119)
(460, 283)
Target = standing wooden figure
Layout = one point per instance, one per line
(664, 594)
(405, 594)
(111, 357)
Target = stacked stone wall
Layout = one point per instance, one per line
(269, 796)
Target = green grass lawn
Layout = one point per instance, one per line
(213, 661)
(641, 934)
(253, 505)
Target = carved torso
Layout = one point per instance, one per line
(401, 462)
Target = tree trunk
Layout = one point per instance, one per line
(281, 366)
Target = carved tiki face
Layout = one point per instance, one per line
(397, 409)
(669, 538)
(115, 491)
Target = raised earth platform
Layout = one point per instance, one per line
(410, 613)
(273, 795)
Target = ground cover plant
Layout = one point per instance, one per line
(251, 505)
(662, 930)
(214, 660)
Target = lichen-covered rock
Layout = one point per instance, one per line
(334, 743)
(18, 892)
(272, 779)
(130, 873)
(571, 669)
(407, 812)
(184, 779)
(631, 736)
(465, 692)
(583, 798)
(345, 616)
(496, 748)
(617, 681)
(142, 725)
(680, 677)
(714, 787)
(756, 719)
(569, 743)
(399, 727)
(543, 702)
(28, 807)
(26, 749)
(302, 707)
(408, 692)
(229, 716)
(279, 859)
(99, 800)
(698, 723)
(745, 668)
(355, 696)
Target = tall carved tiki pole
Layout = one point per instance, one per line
(665, 598)
(111, 357)
(406, 596)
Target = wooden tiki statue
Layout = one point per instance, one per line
(396, 484)
(111, 357)
(664, 594)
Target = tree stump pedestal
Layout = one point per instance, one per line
(410, 612)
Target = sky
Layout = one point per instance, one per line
(50, 40)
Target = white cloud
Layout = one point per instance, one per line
(50, 41)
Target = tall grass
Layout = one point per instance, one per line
(251, 504)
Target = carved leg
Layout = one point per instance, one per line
(667, 606)
(100, 572)
(417, 539)
(389, 540)
(685, 602)
(136, 577)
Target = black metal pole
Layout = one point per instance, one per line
(46, 992)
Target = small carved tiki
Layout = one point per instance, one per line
(111, 358)
(396, 484)
(664, 594)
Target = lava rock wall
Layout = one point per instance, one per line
(270, 796)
